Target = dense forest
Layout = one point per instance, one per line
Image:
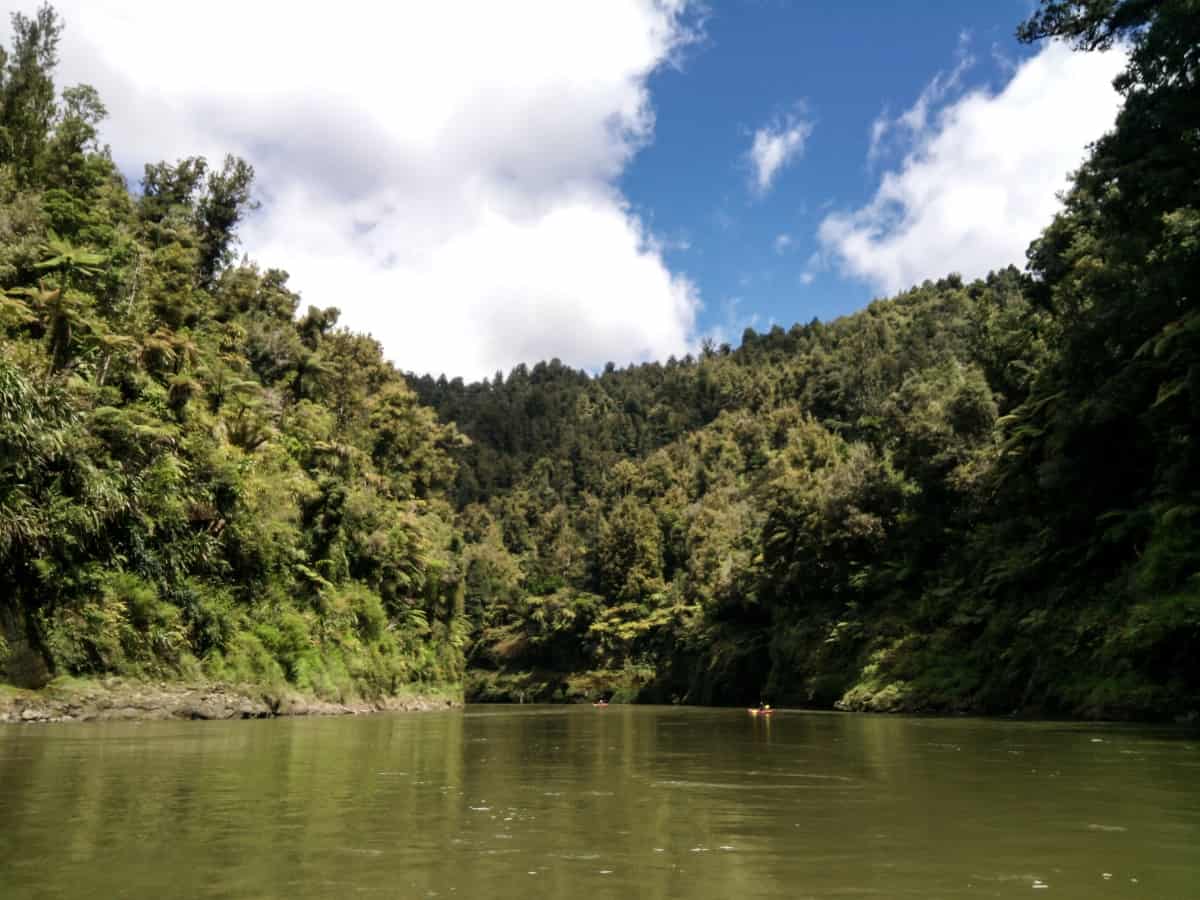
(194, 480)
(974, 496)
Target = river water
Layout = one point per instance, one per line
(624, 802)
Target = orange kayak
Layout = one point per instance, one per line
(761, 712)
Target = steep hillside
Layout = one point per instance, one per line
(977, 496)
(194, 482)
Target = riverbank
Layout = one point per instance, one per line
(122, 699)
(870, 694)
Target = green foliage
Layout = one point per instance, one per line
(976, 496)
(124, 627)
(27, 90)
(190, 479)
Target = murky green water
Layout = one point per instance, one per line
(521, 802)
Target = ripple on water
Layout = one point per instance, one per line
(814, 776)
(745, 786)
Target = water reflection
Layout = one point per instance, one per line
(625, 801)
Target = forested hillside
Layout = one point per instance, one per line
(976, 496)
(968, 497)
(194, 481)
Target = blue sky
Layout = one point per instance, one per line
(482, 184)
(842, 65)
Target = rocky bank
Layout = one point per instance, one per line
(113, 699)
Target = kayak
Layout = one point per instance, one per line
(601, 703)
(760, 712)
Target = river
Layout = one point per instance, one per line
(648, 802)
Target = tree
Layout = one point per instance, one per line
(167, 187)
(1091, 24)
(27, 90)
(212, 201)
(223, 204)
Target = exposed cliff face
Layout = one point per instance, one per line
(21, 663)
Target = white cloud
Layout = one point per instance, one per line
(774, 146)
(782, 243)
(815, 264)
(1002, 60)
(981, 177)
(443, 172)
(879, 130)
(914, 120)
